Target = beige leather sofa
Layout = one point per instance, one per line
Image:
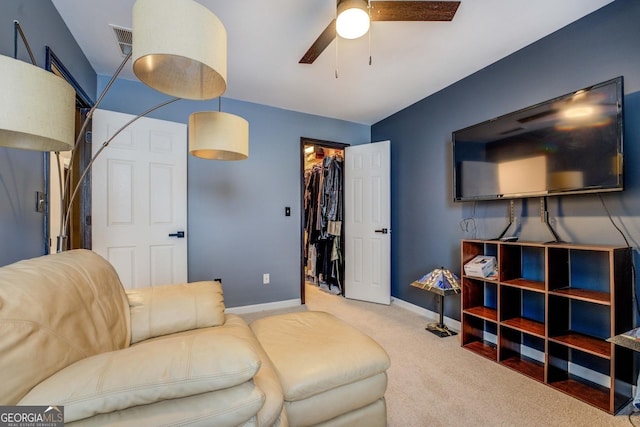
(70, 335)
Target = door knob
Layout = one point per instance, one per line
(178, 234)
(383, 231)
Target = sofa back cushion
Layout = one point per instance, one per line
(163, 310)
(54, 311)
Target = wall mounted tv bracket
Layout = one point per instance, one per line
(544, 218)
(511, 220)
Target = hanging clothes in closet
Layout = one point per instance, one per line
(323, 207)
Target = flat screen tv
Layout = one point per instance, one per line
(571, 144)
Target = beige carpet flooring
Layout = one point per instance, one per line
(434, 382)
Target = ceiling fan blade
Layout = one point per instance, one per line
(388, 11)
(413, 10)
(320, 44)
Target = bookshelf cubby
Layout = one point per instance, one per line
(548, 312)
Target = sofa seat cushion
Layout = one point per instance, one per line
(169, 368)
(234, 406)
(314, 352)
(163, 310)
(266, 379)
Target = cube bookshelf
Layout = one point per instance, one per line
(548, 312)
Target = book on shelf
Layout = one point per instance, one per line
(493, 275)
(480, 266)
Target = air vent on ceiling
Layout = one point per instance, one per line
(124, 37)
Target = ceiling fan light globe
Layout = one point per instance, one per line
(352, 23)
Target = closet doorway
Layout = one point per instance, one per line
(322, 212)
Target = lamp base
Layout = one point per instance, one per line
(440, 329)
(61, 243)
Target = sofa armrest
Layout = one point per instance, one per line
(168, 368)
(163, 310)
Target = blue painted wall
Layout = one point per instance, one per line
(427, 225)
(21, 172)
(237, 226)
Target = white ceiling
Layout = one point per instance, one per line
(411, 60)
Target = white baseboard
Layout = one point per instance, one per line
(263, 307)
(431, 315)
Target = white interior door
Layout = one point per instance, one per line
(367, 196)
(139, 198)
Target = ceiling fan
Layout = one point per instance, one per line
(360, 12)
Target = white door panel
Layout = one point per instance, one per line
(139, 198)
(367, 222)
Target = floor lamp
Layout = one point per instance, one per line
(179, 49)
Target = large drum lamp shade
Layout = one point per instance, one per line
(179, 48)
(215, 135)
(37, 108)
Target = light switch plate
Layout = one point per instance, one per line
(41, 201)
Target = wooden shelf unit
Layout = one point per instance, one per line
(548, 312)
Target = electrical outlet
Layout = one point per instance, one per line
(266, 279)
